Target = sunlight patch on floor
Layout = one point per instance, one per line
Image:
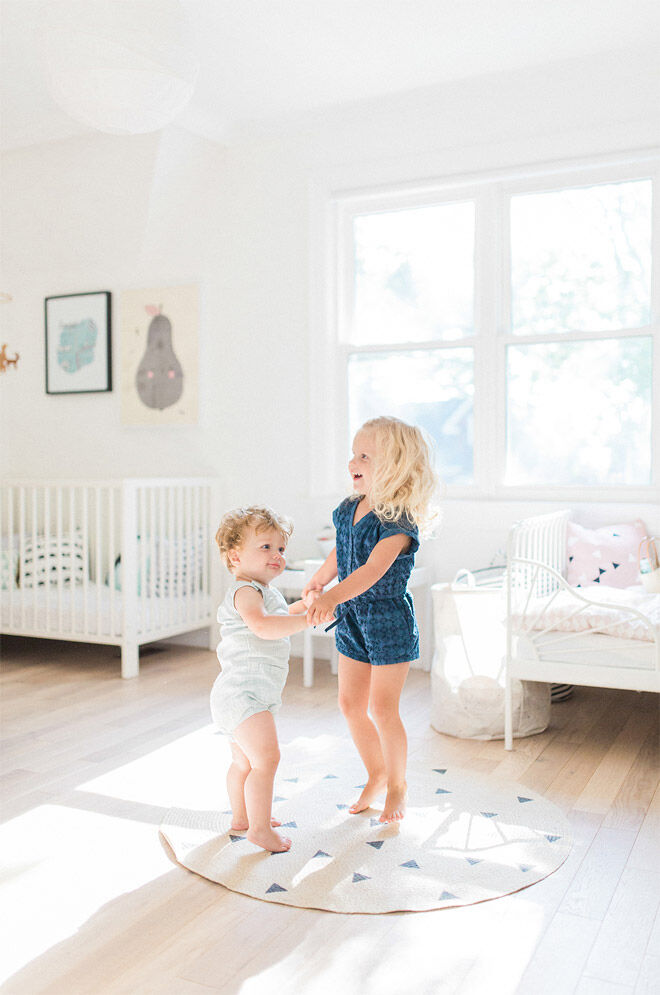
(61, 866)
(170, 775)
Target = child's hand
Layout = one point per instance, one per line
(298, 608)
(309, 599)
(322, 609)
(311, 591)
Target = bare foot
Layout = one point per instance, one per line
(395, 804)
(269, 840)
(240, 825)
(374, 787)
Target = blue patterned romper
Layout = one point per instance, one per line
(378, 626)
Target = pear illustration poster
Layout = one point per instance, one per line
(159, 356)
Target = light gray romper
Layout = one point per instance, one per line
(254, 670)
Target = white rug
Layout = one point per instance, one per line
(465, 839)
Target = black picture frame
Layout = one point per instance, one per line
(78, 342)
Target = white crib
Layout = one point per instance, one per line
(556, 633)
(120, 562)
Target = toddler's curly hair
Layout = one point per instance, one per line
(235, 523)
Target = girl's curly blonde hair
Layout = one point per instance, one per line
(234, 525)
(404, 481)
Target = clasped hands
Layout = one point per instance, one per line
(320, 606)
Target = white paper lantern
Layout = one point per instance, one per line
(121, 66)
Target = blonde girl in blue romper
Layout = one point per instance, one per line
(256, 623)
(376, 632)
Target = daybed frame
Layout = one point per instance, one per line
(536, 564)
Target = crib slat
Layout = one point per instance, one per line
(21, 540)
(10, 517)
(181, 556)
(98, 559)
(206, 503)
(72, 535)
(143, 531)
(85, 542)
(191, 542)
(60, 600)
(111, 556)
(197, 529)
(34, 555)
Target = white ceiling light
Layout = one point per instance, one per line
(120, 66)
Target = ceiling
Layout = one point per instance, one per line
(268, 60)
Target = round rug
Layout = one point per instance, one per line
(464, 839)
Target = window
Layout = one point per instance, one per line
(515, 321)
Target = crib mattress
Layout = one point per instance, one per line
(558, 613)
(38, 611)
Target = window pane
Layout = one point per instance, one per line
(414, 275)
(431, 389)
(579, 412)
(581, 259)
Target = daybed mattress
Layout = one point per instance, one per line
(560, 613)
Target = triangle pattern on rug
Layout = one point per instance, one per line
(440, 770)
(451, 872)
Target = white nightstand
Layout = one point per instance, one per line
(291, 583)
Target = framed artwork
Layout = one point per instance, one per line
(78, 348)
(159, 356)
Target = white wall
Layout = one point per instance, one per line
(111, 213)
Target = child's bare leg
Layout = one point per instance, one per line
(354, 688)
(386, 687)
(238, 771)
(257, 738)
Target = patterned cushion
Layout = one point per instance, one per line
(605, 556)
(52, 561)
(176, 567)
(8, 568)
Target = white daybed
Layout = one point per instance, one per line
(120, 562)
(601, 637)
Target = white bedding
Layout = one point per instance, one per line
(37, 610)
(561, 612)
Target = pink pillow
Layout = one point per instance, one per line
(604, 556)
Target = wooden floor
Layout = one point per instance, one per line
(91, 904)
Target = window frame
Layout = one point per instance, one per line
(491, 193)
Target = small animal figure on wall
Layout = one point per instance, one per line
(5, 361)
(159, 377)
